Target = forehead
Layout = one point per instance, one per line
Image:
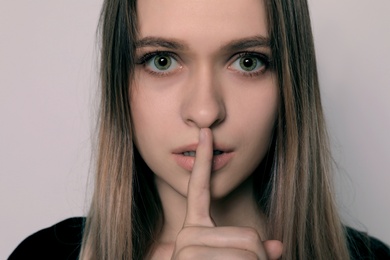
(202, 21)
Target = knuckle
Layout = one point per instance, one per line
(251, 235)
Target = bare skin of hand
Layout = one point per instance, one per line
(200, 238)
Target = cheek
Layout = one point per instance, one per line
(152, 123)
(150, 110)
(153, 101)
(145, 136)
(143, 113)
(254, 131)
(255, 111)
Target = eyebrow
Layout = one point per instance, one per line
(234, 45)
(160, 42)
(245, 43)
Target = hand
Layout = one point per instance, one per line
(199, 237)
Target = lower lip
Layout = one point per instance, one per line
(219, 161)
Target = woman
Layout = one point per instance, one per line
(212, 140)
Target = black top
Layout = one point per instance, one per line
(60, 241)
(63, 240)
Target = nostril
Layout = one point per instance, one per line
(217, 122)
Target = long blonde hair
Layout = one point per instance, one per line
(126, 216)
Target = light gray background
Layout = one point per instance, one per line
(47, 103)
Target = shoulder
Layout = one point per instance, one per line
(362, 246)
(60, 241)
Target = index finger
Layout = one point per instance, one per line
(198, 194)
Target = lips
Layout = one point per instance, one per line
(193, 153)
(185, 157)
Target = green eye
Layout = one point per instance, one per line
(248, 63)
(162, 62)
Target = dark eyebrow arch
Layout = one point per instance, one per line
(245, 43)
(160, 42)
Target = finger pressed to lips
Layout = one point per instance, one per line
(198, 197)
(199, 237)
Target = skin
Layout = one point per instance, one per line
(205, 99)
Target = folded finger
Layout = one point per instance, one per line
(204, 252)
(243, 238)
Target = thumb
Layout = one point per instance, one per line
(273, 249)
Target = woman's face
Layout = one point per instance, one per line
(203, 64)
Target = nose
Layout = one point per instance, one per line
(203, 105)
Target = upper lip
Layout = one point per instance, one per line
(192, 147)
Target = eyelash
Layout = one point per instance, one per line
(264, 59)
(143, 60)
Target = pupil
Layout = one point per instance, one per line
(162, 61)
(248, 62)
